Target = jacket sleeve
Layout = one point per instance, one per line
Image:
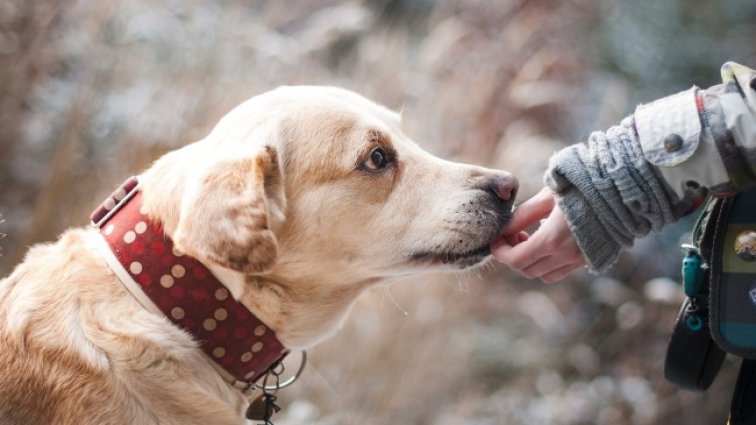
(704, 137)
(652, 169)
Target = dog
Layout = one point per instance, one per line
(297, 201)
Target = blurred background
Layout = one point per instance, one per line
(92, 92)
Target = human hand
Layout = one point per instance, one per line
(551, 252)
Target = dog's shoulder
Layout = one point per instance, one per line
(78, 349)
(42, 379)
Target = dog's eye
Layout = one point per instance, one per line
(378, 160)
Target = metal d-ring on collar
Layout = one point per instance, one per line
(279, 385)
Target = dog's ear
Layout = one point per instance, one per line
(225, 216)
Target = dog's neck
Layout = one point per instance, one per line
(303, 312)
(168, 282)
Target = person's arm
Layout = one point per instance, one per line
(704, 137)
(638, 177)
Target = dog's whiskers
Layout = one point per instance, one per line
(393, 301)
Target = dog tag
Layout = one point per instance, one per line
(256, 409)
(262, 408)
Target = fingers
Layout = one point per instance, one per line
(550, 253)
(545, 242)
(515, 257)
(531, 211)
(532, 261)
(513, 239)
(553, 267)
(528, 213)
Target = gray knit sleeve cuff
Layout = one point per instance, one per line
(610, 194)
(598, 248)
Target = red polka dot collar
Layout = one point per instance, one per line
(183, 289)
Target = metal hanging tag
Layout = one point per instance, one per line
(264, 406)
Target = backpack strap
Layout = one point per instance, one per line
(743, 407)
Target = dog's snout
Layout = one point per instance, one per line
(504, 186)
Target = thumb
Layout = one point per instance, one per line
(530, 211)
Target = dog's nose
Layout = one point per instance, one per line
(504, 186)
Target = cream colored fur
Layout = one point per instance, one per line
(280, 203)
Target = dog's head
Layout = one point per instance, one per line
(321, 183)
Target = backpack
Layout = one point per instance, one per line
(719, 313)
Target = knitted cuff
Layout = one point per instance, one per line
(599, 249)
(609, 194)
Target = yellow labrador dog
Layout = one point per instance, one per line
(295, 203)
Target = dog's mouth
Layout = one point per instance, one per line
(489, 225)
(461, 260)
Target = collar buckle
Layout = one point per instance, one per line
(114, 202)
